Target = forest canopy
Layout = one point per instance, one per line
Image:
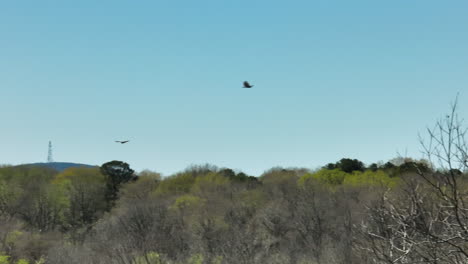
(401, 211)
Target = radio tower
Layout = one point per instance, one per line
(49, 155)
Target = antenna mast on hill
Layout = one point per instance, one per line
(49, 155)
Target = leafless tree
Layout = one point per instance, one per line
(425, 219)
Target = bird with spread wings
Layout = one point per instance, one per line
(122, 142)
(247, 85)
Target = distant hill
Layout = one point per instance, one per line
(59, 166)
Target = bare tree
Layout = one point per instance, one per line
(447, 148)
(425, 219)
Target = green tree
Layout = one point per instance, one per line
(43, 205)
(347, 165)
(370, 178)
(331, 177)
(373, 167)
(117, 173)
(141, 189)
(226, 172)
(85, 189)
(177, 184)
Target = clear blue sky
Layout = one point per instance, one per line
(333, 79)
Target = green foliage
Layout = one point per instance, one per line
(192, 217)
(141, 189)
(400, 166)
(329, 177)
(24, 175)
(412, 166)
(373, 167)
(210, 183)
(40, 261)
(370, 178)
(188, 201)
(26, 192)
(277, 179)
(196, 259)
(44, 206)
(12, 237)
(72, 176)
(277, 175)
(388, 166)
(150, 258)
(85, 190)
(178, 184)
(337, 177)
(211, 178)
(252, 198)
(346, 165)
(117, 173)
(10, 194)
(229, 173)
(4, 259)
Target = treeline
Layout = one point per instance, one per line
(342, 213)
(402, 211)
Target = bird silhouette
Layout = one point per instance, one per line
(122, 142)
(247, 85)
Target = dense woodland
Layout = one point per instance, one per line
(401, 211)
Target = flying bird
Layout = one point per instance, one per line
(247, 85)
(122, 142)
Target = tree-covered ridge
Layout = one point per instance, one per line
(58, 166)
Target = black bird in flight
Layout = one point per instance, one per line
(247, 85)
(122, 142)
